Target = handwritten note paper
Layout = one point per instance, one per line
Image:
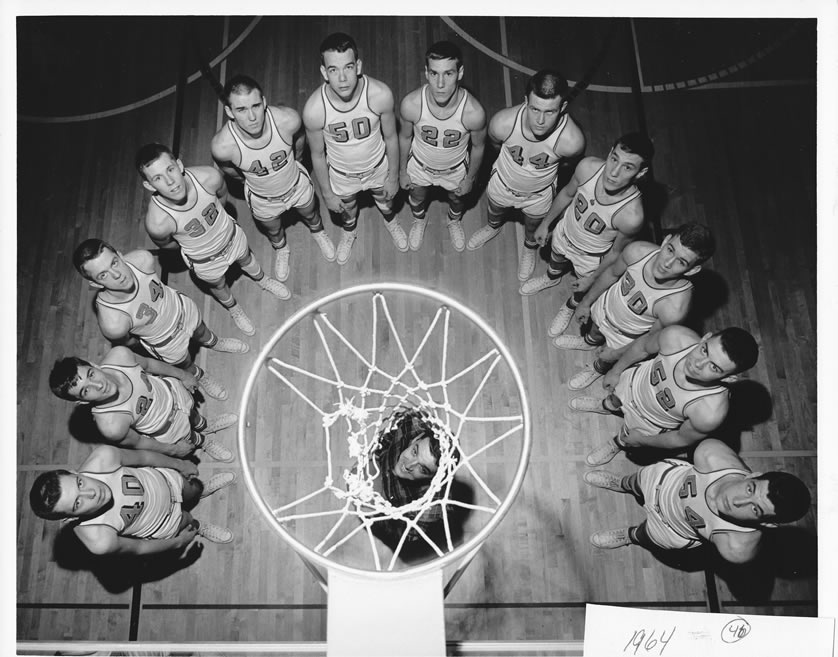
(630, 632)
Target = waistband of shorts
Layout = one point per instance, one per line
(437, 172)
(616, 329)
(362, 174)
(218, 254)
(177, 329)
(515, 192)
(282, 197)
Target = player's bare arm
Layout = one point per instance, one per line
(159, 368)
(100, 539)
(601, 283)
(409, 111)
(289, 124)
(501, 125)
(474, 120)
(383, 104)
(737, 547)
(144, 458)
(713, 454)
(225, 152)
(629, 222)
(571, 143)
(642, 348)
(160, 227)
(314, 120)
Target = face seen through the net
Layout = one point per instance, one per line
(416, 462)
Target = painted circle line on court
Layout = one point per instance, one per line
(667, 86)
(146, 101)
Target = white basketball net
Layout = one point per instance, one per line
(368, 409)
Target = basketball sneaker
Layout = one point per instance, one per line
(604, 479)
(282, 259)
(481, 236)
(212, 387)
(217, 451)
(526, 265)
(456, 233)
(215, 533)
(220, 422)
(241, 320)
(589, 405)
(572, 342)
(535, 285)
(611, 539)
(217, 482)
(583, 378)
(276, 288)
(561, 321)
(603, 454)
(417, 234)
(231, 346)
(345, 246)
(327, 247)
(397, 233)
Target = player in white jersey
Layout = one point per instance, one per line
(717, 500)
(350, 124)
(438, 122)
(262, 145)
(534, 139)
(133, 304)
(141, 403)
(601, 212)
(647, 288)
(187, 211)
(130, 501)
(678, 396)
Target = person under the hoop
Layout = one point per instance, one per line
(408, 456)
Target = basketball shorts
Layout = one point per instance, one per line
(213, 270)
(533, 205)
(347, 184)
(177, 425)
(614, 339)
(584, 264)
(449, 179)
(299, 195)
(174, 348)
(659, 531)
(169, 528)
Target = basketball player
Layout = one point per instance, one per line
(187, 210)
(408, 457)
(262, 144)
(716, 500)
(534, 139)
(647, 288)
(350, 125)
(130, 501)
(141, 403)
(438, 122)
(132, 303)
(677, 397)
(602, 213)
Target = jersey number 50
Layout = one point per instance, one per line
(360, 129)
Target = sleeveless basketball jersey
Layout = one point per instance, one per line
(353, 136)
(660, 399)
(154, 309)
(143, 501)
(203, 229)
(628, 305)
(681, 501)
(588, 224)
(150, 403)
(269, 171)
(440, 143)
(525, 165)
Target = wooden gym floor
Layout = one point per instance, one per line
(734, 128)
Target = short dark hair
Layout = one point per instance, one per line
(339, 42)
(698, 239)
(444, 50)
(789, 495)
(148, 154)
(740, 347)
(90, 249)
(547, 83)
(64, 375)
(637, 143)
(240, 84)
(45, 494)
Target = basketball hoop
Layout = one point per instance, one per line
(342, 372)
